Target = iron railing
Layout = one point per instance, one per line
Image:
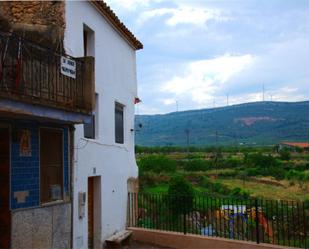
(262, 221)
(32, 73)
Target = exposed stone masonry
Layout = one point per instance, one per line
(39, 21)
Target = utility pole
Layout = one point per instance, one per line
(263, 92)
(187, 131)
(176, 105)
(216, 138)
(227, 99)
(216, 153)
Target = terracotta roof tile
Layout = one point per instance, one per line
(109, 14)
(296, 144)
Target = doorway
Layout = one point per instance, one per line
(5, 214)
(90, 213)
(94, 212)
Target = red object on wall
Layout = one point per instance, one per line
(137, 100)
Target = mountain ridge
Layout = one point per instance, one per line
(254, 123)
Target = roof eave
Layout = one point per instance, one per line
(111, 17)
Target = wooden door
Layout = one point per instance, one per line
(5, 214)
(90, 213)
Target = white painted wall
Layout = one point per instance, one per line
(115, 77)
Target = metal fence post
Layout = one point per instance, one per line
(257, 222)
(184, 217)
(304, 218)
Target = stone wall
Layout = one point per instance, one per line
(40, 21)
(48, 227)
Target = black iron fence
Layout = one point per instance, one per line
(262, 221)
(32, 73)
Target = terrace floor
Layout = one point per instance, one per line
(140, 245)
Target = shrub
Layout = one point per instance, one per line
(299, 149)
(231, 163)
(253, 172)
(261, 161)
(264, 165)
(285, 154)
(238, 192)
(300, 177)
(228, 173)
(277, 172)
(157, 164)
(146, 180)
(195, 156)
(180, 195)
(206, 183)
(292, 175)
(306, 204)
(197, 165)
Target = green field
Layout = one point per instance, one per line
(261, 173)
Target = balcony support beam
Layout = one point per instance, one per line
(15, 109)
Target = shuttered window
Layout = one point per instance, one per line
(119, 125)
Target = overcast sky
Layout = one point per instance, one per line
(198, 52)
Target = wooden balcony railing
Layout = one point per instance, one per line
(33, 74)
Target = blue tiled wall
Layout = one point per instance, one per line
(25, 171)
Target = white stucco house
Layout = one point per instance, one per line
(104, 159)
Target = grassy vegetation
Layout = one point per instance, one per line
(258, 172)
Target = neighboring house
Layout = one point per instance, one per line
(294, 145)
(104, 166)
(66, 123)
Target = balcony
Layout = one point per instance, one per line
(35, 75)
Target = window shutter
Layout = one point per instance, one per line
(89, 129)
(119, 129)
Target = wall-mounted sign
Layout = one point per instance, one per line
(25, 143)
(68, 67)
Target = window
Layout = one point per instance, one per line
(51, 164)
(119, 129)
(91, 130)
(88, 35)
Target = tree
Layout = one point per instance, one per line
(285, 154)
(180, 195)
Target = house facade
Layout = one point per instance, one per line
(67, 92)
(104, 162)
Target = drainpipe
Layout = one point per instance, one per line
(71, 174)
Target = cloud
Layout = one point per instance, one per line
(130, 5)
(200, 51)
(168, 101)
(204, 78)
(184, 14)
